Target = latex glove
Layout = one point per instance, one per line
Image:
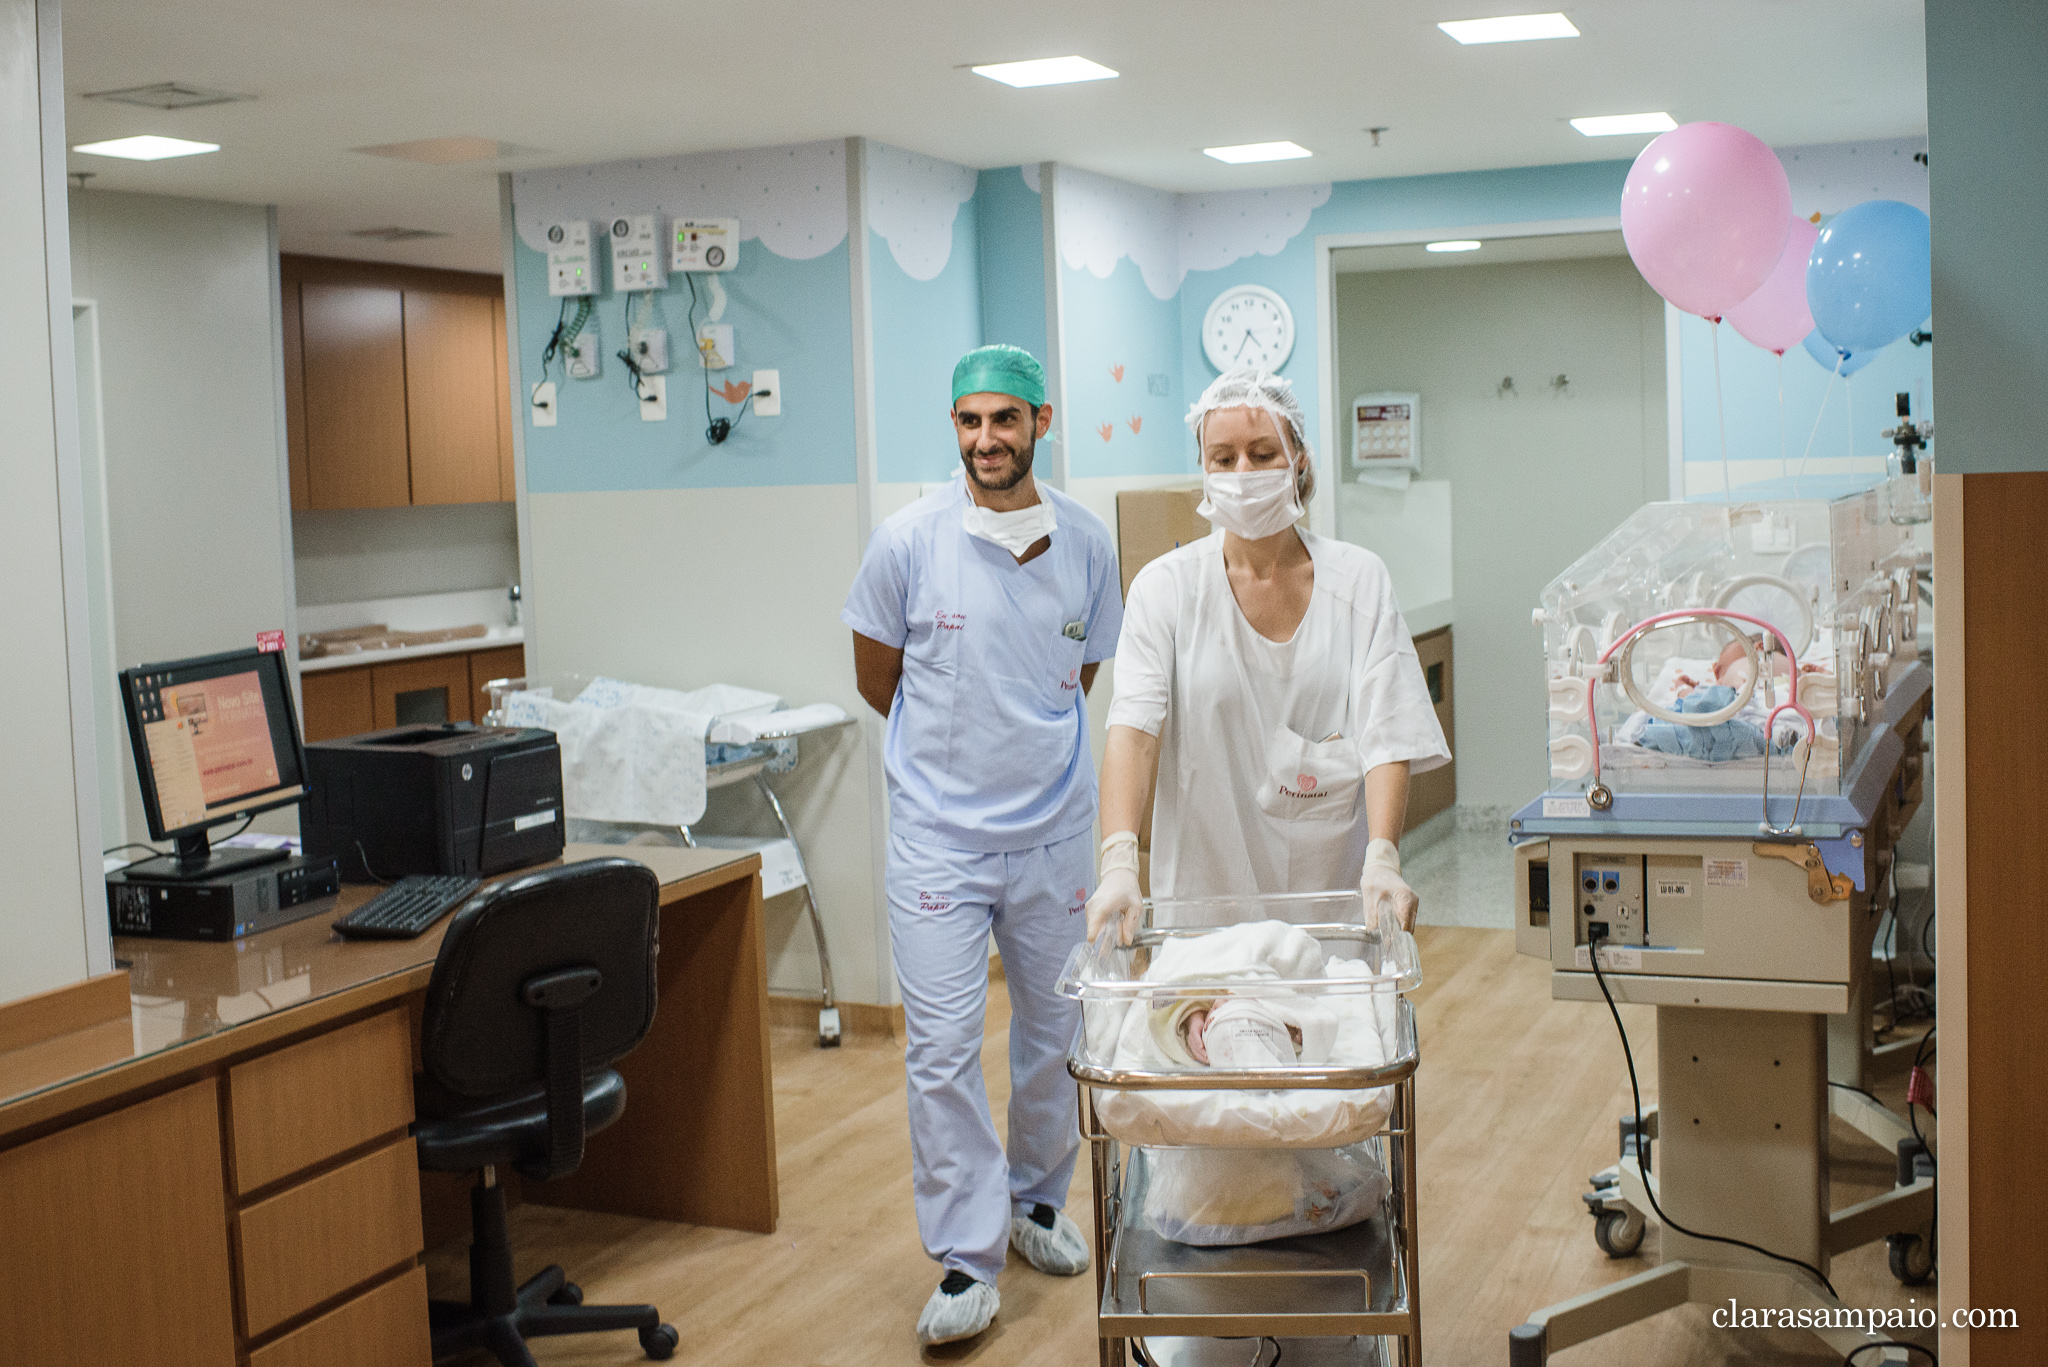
(1116, 892)
(1388, 899)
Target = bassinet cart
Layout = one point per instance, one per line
(1347, 1295)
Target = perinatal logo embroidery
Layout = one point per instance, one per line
(949, 621)
(934, 901)
(1308, 787)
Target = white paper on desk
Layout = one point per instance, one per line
(747, 729)
(781, 871)
(628, 762)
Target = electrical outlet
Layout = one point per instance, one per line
(543, 404)
(714, 345)
(572, 259)
(637, 260)
(653, 399)
(650, 351)
(582, 354)
(705, 244)
(767, 393)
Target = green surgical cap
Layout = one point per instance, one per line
(1000, 370)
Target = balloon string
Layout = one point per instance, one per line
(1849, 417)
(1839, 358)
(1721, 416)
(1783, 468)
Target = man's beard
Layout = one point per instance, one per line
(1020, 466)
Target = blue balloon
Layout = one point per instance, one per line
(1868, 281)
(1825, 356)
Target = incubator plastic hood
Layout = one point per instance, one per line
(1703, 701)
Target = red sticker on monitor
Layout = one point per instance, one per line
(270, 642)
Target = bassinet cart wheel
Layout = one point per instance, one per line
(1911, 1257)
(1618, 1232)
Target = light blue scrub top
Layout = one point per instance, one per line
(987, 742)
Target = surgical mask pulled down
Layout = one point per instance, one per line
(1255, 504)
(1014, 532)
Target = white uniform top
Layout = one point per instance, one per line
(1264, 745)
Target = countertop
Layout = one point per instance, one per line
(490, 640)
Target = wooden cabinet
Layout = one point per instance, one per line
(1437, 790)
(355, 396)
(337, 703)
(411, 692)
(451, 397)
(116, 1231)
(397, 385)
(433, 688)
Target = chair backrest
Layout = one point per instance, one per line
(498, 981)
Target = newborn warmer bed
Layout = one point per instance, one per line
(1348, 1295)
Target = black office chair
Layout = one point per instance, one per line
(541, 982)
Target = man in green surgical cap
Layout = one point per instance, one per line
(980, 615)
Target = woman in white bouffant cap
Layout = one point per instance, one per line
(1267, 680)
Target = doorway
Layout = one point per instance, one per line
(1537, 366)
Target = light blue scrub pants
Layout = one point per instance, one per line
(943, 905)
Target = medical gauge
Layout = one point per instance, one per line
(705, 244)
(1248, 325)
(637, 261)
(1386, 433)
(1909, 486)
(572, 259)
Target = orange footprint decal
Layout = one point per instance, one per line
(1116, 372)
(736, 391)
(1106, 430)
(1136, 422)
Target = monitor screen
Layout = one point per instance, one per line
(214, 738)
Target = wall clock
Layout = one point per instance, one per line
(1248, 325)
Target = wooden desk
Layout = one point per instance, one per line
(224, 1178)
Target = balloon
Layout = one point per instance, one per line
(1825, 356)
(1869, 279)
(1775, 317)
(1704, 212)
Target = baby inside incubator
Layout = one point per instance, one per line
(1701, 686)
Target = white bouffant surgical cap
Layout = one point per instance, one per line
(1251, 387)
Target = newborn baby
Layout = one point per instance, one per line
(1240, 1032)
(1732, 670)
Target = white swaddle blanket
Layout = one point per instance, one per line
(631, 752)
(1352, 1028)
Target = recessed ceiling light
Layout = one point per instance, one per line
(1257, 151)
(1045, 71)
(447, 151)
(1511, 28)
(167, 95)
(1461, 245)
(1609, 125)
(148, 147)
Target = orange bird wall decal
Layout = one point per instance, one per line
(736, 391)
(1106, 430)
(1136, 422)
(1116, 372)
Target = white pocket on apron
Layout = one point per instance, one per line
(1310, 780)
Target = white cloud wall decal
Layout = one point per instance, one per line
(912, 202)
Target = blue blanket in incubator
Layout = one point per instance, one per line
(1732, 739)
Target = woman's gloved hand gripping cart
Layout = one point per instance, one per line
(1247, 1076)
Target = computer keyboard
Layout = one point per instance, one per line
(408, 907)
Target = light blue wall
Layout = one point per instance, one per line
(1118, 327)
(1858, 407)
(1408, 203)
(921, 328)
(791, 316)
(1011, 217)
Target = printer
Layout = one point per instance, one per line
(448, 798)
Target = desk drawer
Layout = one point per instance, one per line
(307, 1103)
(322, 1237)
(386, 1328)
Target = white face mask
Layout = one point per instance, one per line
(1014, 532)
(1255, 504)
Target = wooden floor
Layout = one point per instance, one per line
(1518, 1097)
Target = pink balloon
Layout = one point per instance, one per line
(1776, 317)
(1704, 213)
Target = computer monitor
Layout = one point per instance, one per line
(214, 739)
